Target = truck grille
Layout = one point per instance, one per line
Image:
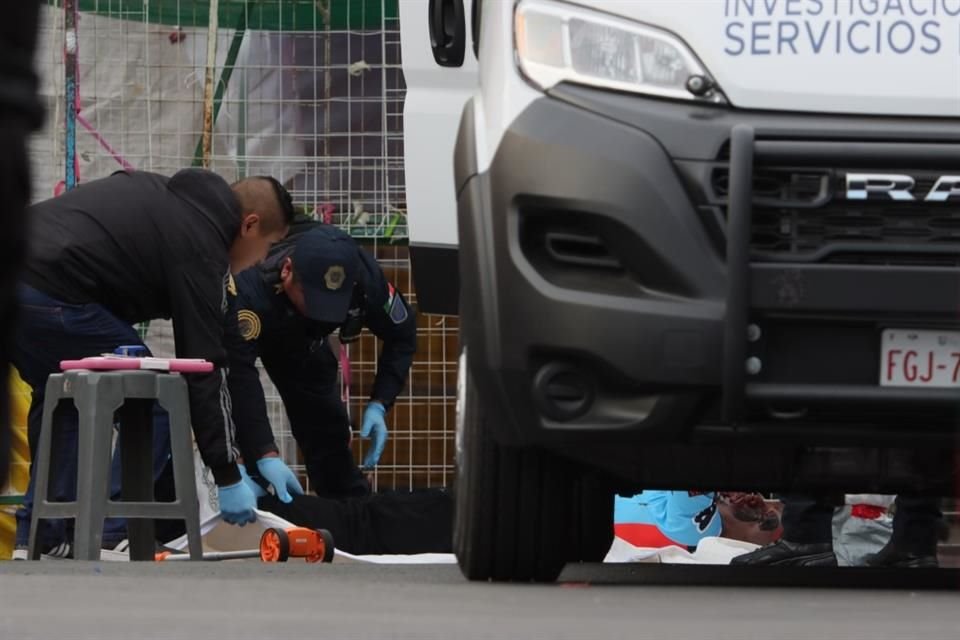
(802, 215)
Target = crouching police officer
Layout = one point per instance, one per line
(313, 283)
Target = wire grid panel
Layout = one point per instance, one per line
(420, 450)
(309, 91)
(141, 95)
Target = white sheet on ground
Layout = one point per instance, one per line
(220, 536)
(711, 550)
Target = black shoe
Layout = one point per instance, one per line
(893, 558)
(794, 554)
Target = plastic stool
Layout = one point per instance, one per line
(97, 395)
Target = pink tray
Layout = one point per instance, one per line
(123, 363)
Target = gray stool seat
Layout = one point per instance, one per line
(97, 396)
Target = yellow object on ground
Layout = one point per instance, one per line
(19, 461)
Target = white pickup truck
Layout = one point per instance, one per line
(694, 244)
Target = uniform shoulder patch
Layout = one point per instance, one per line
(249, 324)
(394, 307)
(398, 310)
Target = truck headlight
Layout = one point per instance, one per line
(557, 42)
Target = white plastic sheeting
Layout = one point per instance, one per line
(711, 550)
(142, 93)
(320, 111)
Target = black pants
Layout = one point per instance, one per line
(19, 113)
(325, 444)
(318, 418)
(400, 522)
(51, 330)
(809, 520)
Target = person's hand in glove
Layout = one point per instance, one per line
(274, 471)
(375, 427)
(237, 503)
(258, 491)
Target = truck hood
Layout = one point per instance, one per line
(880, 57)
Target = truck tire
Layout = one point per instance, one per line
(513, 506)
(592, 526)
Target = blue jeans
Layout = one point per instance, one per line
(49, 331)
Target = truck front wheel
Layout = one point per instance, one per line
(518, 513)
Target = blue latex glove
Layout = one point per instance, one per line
(237, 503)
(258, 491)
(281, 477)
(374, 426)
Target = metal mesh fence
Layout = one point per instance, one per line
(309, 91)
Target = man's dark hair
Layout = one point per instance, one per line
(283, 197)
(265, 196)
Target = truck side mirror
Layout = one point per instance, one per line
(448, 32)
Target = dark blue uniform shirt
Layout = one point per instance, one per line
(294, 349)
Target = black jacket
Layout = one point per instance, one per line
(146, 246)
(266, 324)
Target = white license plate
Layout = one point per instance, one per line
(910, 358)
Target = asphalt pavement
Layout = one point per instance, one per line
(247, 599)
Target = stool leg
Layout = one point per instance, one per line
(136, 464)
(97, 398)
(173, 397)
(41, 476)
(185, 483)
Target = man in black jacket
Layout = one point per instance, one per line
(132, 247)
(316, 282)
